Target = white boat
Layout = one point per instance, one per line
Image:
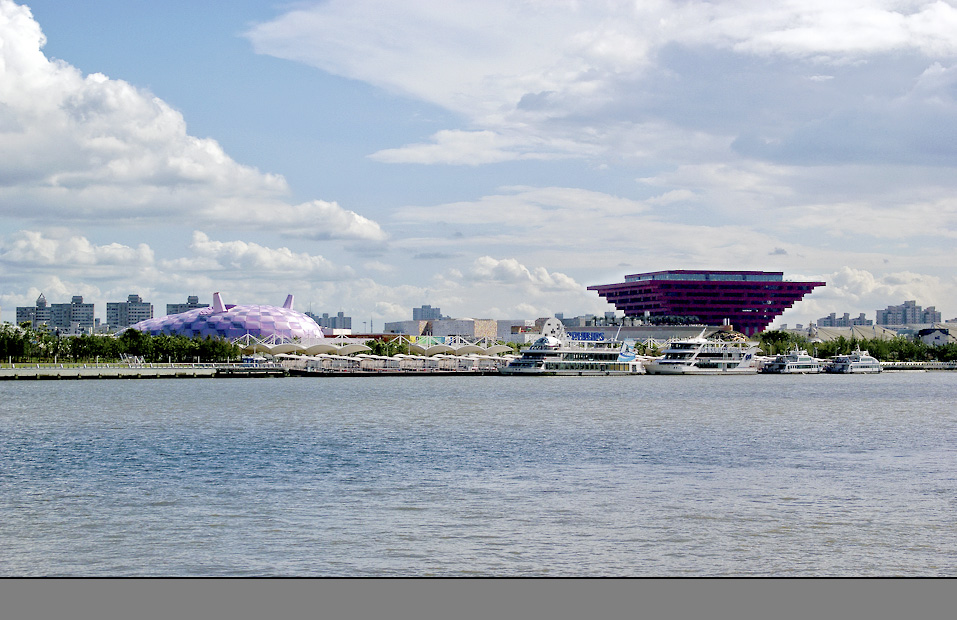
(795, 361)
(704, 356)
(554, 353)
(856, 362)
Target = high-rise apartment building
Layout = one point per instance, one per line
(426, 313)
(130, 312)
(832, 320)
(72, 316)
(35, 315)
(908, 313)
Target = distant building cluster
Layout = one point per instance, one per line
(908, 313)
(74, 317)
(747, 301)
(77, 317)
(832, 320)
(338, 322)
(584, 327)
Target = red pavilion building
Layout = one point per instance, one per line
(747, 300)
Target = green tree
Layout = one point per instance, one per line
(13, 343)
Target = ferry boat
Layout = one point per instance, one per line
(856, 362)
(554, 353)
(794, 362)
(705, 356)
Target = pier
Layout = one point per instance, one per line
(23, 371)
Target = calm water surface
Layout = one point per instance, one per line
(464, 476)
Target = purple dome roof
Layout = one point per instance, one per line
(231, 322)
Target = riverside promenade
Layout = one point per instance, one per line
(24, 371)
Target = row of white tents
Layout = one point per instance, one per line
(351, 346)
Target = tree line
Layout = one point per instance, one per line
(899, 349)
(24, 344)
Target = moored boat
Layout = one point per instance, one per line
(706, 356)
(796, 361)
(554, 353)
(856, 362)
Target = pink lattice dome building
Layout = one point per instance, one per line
(234, 321)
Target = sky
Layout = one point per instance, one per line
(489, 158)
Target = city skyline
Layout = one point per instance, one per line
(493, 159)
(910, 309)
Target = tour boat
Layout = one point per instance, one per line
(794, 362)
(856, 362)
(554, 353)
(705, 356)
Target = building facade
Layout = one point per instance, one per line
(72, 316)
(443, 328)
(908, 313)
(747, 300)
(125, 313)
(935, 336)
(340, 321)
(36, 315)
(192, 303)
(832, 320)
(426, 313)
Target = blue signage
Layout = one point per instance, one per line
(590, 336)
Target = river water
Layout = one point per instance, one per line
(472, 476)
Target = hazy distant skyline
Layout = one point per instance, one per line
(489, 158)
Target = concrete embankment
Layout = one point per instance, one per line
(144, 371)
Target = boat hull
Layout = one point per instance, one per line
(868, 370)
(789, 370)
(536, 372)
(674, 369)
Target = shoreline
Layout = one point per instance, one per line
(69, 371)
(33, 372)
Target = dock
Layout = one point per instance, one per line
(21, 371)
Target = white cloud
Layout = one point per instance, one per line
(857, 291)
(509, 271)
(86, 148)
(316, 219)
(862, 286)
(522, 209)
(66, 132)
(29, 248)
(557, 79)
(243, 259)
(482, 147)
(379, 266)
(825, 27)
